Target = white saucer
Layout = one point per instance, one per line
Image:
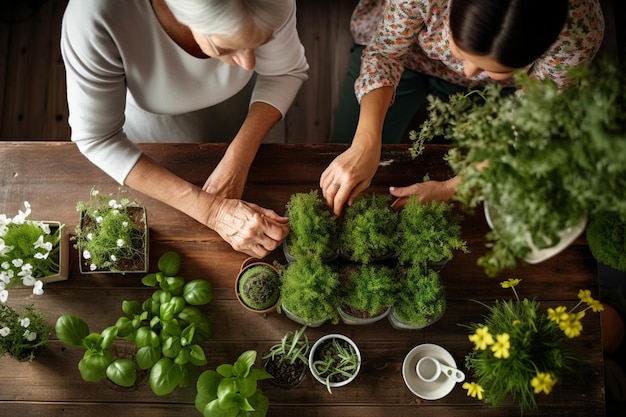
(437, 389)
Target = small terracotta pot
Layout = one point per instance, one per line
(246, 265)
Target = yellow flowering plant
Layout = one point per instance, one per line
(521, 351)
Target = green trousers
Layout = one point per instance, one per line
(410, 97)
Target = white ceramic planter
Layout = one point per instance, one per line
(567, 237)
(317, 345)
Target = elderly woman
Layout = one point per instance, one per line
(449, 46)
(176, 71)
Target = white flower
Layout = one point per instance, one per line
(28, 281)
(25, 322)
(17, 262)
(113, 258)
(38, 287)
(41, 244)
(39, 255)
(89, 236)
(5, 331)
(4, 295)
(4, 249)
(5, 265)
(93, 267)
(99, 219)
(86, 254)
(30, 336)
(112, 203)
(95, 192)
(115, 212)
(125, 224)
(120, 242)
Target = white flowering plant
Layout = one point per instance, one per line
(22, 334)
(522, 351)
(111, 235)
(29, 251)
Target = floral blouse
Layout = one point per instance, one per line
(414, 34)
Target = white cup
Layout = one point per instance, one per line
(429, 369)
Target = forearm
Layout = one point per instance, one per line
(372, 114)
(153, 180)
(260, 119)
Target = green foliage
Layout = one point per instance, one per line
(259, 287)
(167, 330)
(108, 233)
(421, 296)
(553, 157)
(428, 232)
(309, 290)
(368, 228)
(294, 346)
(335, 360)
(21, 334)
(369, 288)
(231, 390)
(606, 236)
(313, 227)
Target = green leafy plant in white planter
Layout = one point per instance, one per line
(429, 233)
(541, 161)
(309, 292)
(314, 228)
(420, 299)
(366, 292)
(368, 229)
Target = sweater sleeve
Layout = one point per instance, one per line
(281, 67)
(96, 92)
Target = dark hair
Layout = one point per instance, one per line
(513, 32)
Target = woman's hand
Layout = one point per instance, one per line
(426, 191)
(348, 175)
(248, 227)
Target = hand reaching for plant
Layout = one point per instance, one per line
(426, 191)
(248, 227)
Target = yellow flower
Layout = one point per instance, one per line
(543, 382)
(517, 323)
(481, 338)
(473, 390)
(501, 348)
(510, 283)
(596, 306)
(558, 314)
(585, 296)
(572, 327)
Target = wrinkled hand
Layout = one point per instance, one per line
(347, 176)
(225, 183)
(426, 191)
(249, 228)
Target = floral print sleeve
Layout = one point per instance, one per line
(385, 57)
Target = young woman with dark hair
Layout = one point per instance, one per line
(445, 47)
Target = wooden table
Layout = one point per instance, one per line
(54, 176)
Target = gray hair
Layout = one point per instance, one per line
(226, 17)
